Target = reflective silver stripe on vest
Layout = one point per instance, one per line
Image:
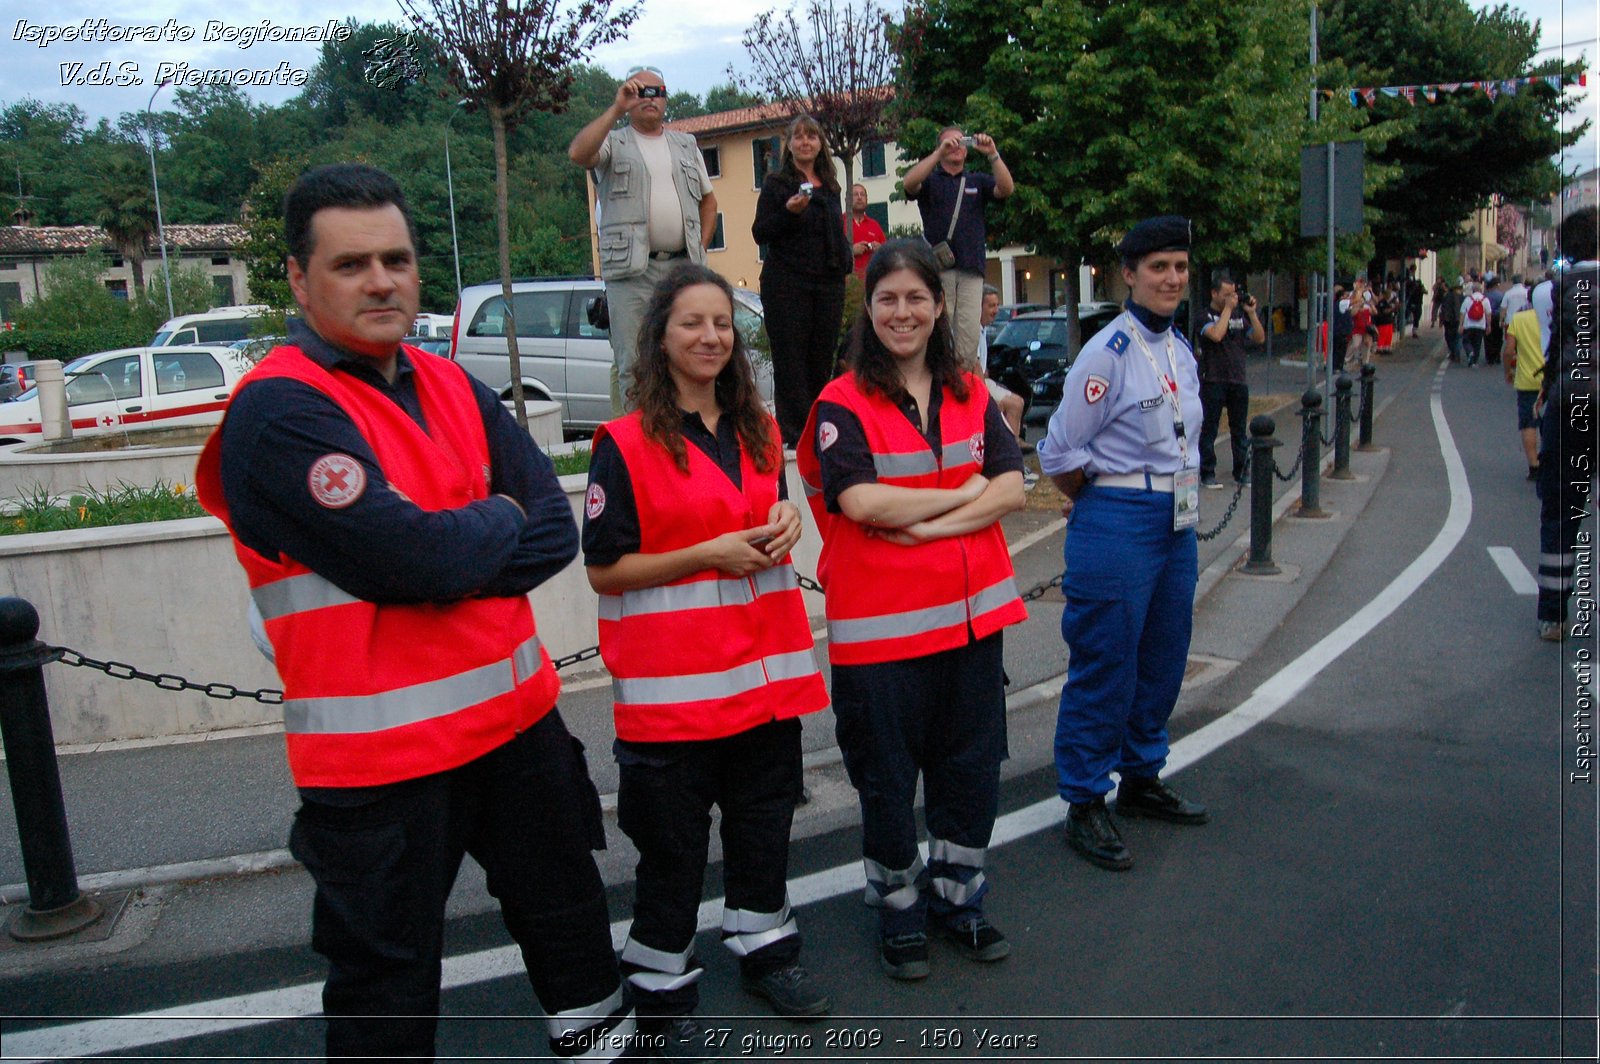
(298, 594)
(950, 853)
(697, 595)
(356, 714)
(887, 889)
(956, 454)
(571, 1021)
(1554, 583)
(993, 597)
(954, 891)
(917, 463)
(897, 625)
(705, 686)
(744, 931)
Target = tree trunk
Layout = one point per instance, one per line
(502, 225)
(135, 255)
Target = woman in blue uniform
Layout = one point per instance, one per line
(1121, 448)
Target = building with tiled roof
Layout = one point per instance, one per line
(26, 250)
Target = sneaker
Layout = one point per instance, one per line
(977, 938)
(674, 1037)
(1552, 631)
(790, 991)
(1211, 483)
(905, 956)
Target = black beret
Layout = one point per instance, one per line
(1169, 232)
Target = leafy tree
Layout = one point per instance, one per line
(266, 250)
(1110, 112)
(73, 292)
(839, 69)
(510, 61)
(340, 90)
(127, 210)
(192, 292)
(1450, 156)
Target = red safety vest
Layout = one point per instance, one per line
(708, 655)
(376, 693)
(886, 602)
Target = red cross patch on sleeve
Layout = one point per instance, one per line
(1094, 389)
(336, 481)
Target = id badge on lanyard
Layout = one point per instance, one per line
(1185, 499)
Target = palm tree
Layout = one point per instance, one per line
(126, 210)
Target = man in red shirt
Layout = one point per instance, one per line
(866, 235)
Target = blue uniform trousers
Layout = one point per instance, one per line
(943, 715)
(1130, 599)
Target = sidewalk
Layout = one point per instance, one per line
(190, 825)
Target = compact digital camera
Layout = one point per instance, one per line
(652, 92)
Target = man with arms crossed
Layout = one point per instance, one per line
(391, 518)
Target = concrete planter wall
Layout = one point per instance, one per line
(170, 597)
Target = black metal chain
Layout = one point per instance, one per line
(1233, 504)
(167, 681)
(1295, 469)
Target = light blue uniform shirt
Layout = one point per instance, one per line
(1114, 416)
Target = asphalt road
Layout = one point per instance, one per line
(1398, 865)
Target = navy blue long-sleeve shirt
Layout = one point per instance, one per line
(382, 547)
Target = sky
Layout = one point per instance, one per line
(693, 43)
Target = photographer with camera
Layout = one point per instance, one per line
(951, 201)
(655, 208)
(799, 219)
(1230, 318)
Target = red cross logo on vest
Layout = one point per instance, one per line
(336, 481)
(975, 445)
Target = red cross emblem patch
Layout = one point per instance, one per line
(594, 504)
(336, 481)
(975, 445)
(1094, 389)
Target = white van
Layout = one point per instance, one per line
(433, 326)
(220, 326)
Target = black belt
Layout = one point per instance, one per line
(665, 256)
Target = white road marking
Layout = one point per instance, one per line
(1514, 571)
(247, 1010)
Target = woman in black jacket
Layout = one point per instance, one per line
(800, 219)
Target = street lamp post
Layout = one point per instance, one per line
(161, 229)
(450, 184)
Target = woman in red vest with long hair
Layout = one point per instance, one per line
(909, 467)
(686, 538)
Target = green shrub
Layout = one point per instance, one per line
(67, 344)
(126, 505)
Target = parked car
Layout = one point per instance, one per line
(1031, 355)
(15, 378)
(136, 387)
(220, 326)
(1008, 311)
(564, 357)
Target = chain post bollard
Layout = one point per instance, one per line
(1261, 447)
(1341, 429)
(55, 905)
(1369, 380)
(1311, 451)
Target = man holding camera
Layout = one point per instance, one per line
(1230, 318)
(654, 207)
(866, 235)
(952, 201)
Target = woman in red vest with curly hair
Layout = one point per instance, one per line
(909, 467)
(686, 537)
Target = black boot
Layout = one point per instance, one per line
(1152, 798)
(1092, 832)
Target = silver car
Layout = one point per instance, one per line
(564, 357)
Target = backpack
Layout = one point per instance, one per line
(1475, 312)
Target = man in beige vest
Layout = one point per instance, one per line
(654, 207)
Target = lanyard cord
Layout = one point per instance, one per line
(1169, 385)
